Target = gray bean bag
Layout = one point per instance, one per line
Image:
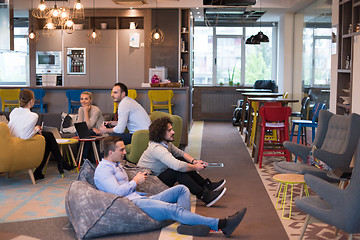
(94, 213)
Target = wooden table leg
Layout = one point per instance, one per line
(95, 152)
(80, 153)
(72, 156)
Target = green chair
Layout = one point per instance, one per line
(139, 143)
(140, 139)
(177, 124)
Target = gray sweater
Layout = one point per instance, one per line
(158, 158)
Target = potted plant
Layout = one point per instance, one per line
(231, 77)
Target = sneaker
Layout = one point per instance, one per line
(232, 222)
(211, 197)
(215, 186)
(193, 230)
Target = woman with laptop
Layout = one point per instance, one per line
(22, 124)
(93, 117)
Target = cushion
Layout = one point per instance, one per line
(67, 122)
(86, 173)
(94, 213)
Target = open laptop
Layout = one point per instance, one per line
(53, 130)
(83, 131)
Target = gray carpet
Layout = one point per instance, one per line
(221, 143)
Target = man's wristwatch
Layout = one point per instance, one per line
(192, 161)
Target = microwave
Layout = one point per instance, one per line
(48, 62)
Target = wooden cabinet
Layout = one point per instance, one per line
(349, 29)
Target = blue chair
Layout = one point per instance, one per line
(39, 95)
(73, 97)
(307, 123)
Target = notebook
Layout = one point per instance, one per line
(83, 131)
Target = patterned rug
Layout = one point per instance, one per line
(21, 200)
(294, 225)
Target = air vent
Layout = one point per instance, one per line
(130, 2)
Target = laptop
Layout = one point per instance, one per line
(53, 130)
(83, 131)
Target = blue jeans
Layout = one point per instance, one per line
(125, 136)
(173, 204)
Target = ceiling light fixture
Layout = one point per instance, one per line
(41, 11)
(156, 35)
(69, 25)
(78, 11)
(94, 35)
(32, 34)
(261, 37)
(49, 29)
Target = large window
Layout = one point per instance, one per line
(15, 64)
(316, 56)
(222, 57)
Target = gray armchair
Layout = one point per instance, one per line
(335, 206)
(336, 140)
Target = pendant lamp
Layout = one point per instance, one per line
(78, 11)
(49, 29)
(32, 34)
(41, 12)
(252, 40)
(261, 37)
(94, 35)
(156, 35)
(69, 26)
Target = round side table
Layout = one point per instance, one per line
(285, 180)
(63, 142)
(81, 149)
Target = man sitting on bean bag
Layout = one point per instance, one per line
(171, 204)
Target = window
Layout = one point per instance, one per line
(14, 69)
(220, 55)
(317, 56)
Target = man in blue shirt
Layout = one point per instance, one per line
(171, 204)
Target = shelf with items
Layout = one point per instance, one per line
(184, 46)
(131, 23)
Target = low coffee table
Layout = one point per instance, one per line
(285, 180)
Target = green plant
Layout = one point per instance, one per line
(231, 76)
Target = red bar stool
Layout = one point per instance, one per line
(274, 118)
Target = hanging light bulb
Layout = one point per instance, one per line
(94, 35)
(33, 35)
(41, 11)
(156, 35)
(49, 29)
(69, 26)
(78, 11)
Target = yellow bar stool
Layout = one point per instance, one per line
(9, 98)
(160, 99)
(131, 93)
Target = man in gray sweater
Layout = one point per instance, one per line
(173, 165)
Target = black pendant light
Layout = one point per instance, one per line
(261, 37)
(252, 40)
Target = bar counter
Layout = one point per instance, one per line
(55, 97)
